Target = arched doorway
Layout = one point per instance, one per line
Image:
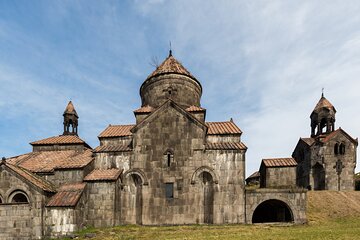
(208, 202)
(272, 211)
(319, 177)
(136, 192)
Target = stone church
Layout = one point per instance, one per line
(327, 159)
(170, 166)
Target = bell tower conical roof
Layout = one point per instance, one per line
(324, 103)
(70, 109)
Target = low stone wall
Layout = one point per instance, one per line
(295, 199)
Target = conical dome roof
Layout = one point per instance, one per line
(70, 109)
(323, 103)
(170, 65)
(170, 80)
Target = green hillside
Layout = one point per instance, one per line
(331, 215)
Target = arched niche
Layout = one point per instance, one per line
(18, 196)
(202, 169)
(131, 173)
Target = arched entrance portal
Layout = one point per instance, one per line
(208, 184)
(319, 177)
(272, 211)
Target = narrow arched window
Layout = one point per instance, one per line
(18, 197)
(342, 149)
(168, 158)
(336, 149)
(1, 201)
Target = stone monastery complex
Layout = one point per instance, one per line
(170, 166)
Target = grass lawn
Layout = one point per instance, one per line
(331, 215)
(335, 229)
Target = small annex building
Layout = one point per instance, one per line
(169, 166)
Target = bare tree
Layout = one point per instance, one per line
(154, 61)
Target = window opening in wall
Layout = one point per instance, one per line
(19, 198)
(169, 190)
(168, 159)
(342, 149)
(1, 200)
(336, 149)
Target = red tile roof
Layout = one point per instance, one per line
(226, 146)
(117, 131)
(170, 65)
(32, 178)
(48, 161)
(214, 128)
(62, 139)
(104, 175)
(323, 103)
(67, 196)
(144, 109)
(279, 162)
(195, 109)
(217, 128)
(110, 148)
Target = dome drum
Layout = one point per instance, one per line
(182, 89)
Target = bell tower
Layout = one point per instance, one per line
(322, 117)
(70, 120)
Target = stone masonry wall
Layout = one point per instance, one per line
(103, 204)
(348, 161)
(169, 130)
(280, 177)
(113, 160)
(20, 220)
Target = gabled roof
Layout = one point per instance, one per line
(168, 103)
(308, 141)
(117, 131)
(195, 109)
(279, 162)
(60, 140)
(225, 146)
(144, 109)
(170, 65)
(104, 175)
(223, 128)
(323, 103)
(337, 131)
(30, 177)
(67, 196)
(48, 161)
(70, 109)
(113, 148)
(254, 175)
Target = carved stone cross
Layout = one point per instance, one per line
(339, 166)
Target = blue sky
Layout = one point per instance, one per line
(263, 63)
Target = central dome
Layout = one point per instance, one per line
(171, 80)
